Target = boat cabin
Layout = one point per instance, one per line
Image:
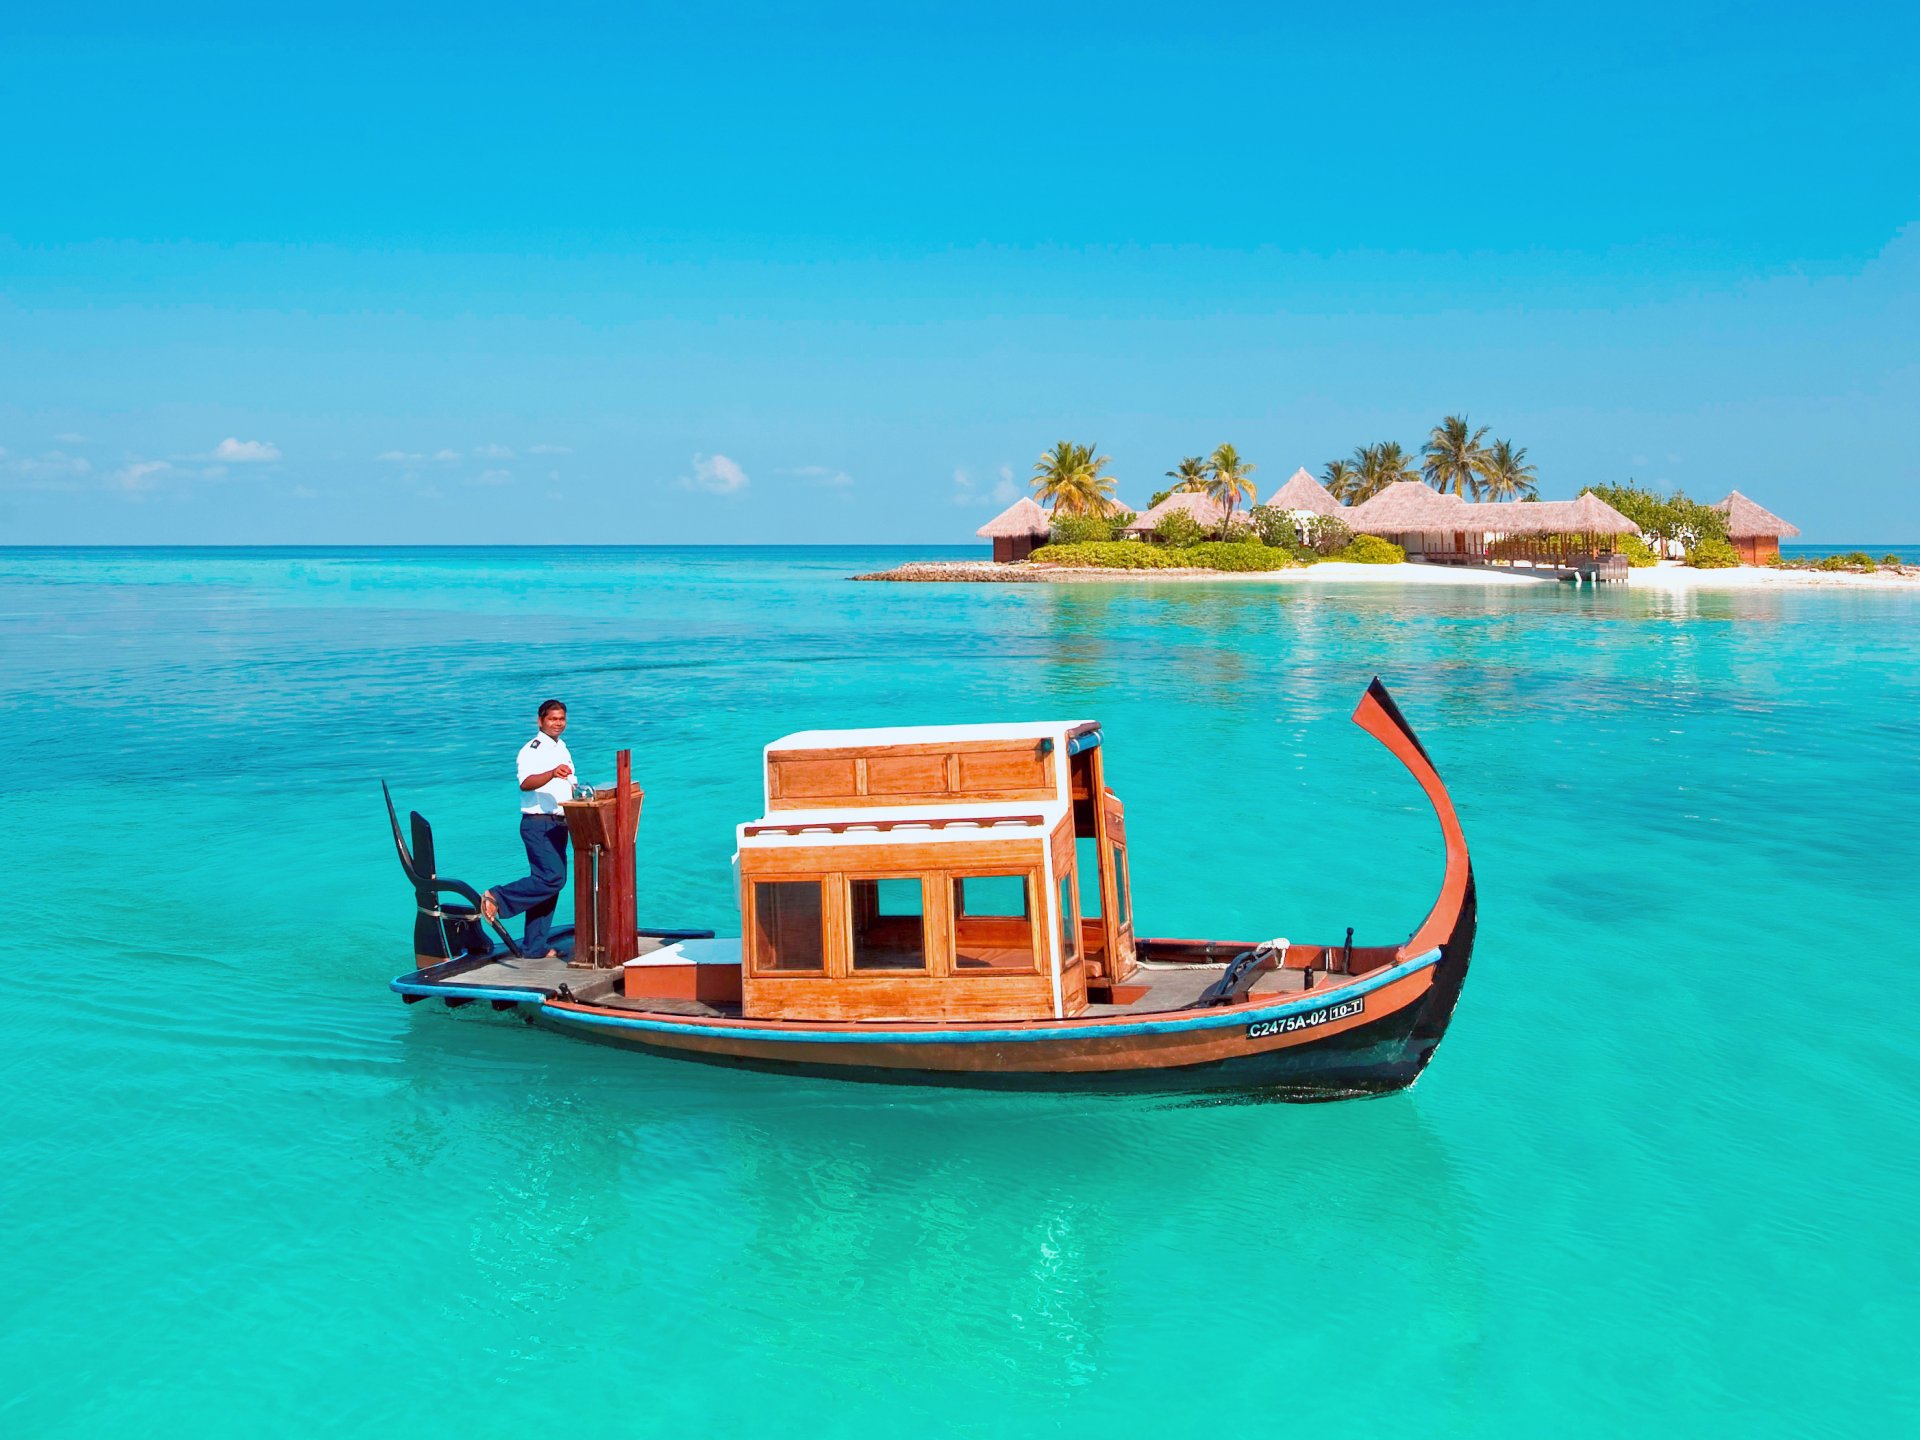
(972, 872)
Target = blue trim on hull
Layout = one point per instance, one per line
(1214, 1019)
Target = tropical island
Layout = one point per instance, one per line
(1463, 510)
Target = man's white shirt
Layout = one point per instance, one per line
(541, 753)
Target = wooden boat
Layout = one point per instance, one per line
(952, 906)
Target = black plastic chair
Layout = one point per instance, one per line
(440, 931)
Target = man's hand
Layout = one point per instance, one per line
(563, 771)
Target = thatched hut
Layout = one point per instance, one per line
(1755, 531)
(1302, 496)
(1432, 526)
(1414, 516)
(1016, 530)
(1208, 513)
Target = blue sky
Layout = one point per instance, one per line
(717, 273)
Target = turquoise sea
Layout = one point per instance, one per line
(1660, 1179)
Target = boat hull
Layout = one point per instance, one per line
(1369, 1036)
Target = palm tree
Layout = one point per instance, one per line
(1341, 479)
(1191, 474)
(1507, 475)
(1229, 477)
(1380, 466)
(1068, 478)
(1456, 460)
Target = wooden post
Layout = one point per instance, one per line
(603, 829)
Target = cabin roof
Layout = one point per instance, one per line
(1746, 519)
(1303, 492)
(1023, 517)
(1055, 730)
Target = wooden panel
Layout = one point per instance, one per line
(901, 997)
(907, 775)
(951, 772)
(813, 780)
(998, 771)
(712, 984)
(981, 855)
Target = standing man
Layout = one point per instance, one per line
(546, 779)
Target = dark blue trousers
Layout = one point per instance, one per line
(545, 837)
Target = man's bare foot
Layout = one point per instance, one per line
(551, 955)
(490, 908)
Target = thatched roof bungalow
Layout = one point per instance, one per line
(1755, 531)
(1206, 511)
(1431, 525)
(1016, 530)
(1303, 495)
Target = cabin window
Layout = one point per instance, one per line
(992, 924)
(889, 925)
(789, 927)
(1069, 947)
(1087, 862)
(1122, 907)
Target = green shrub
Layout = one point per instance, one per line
(1852, 560)
(1237, 556)
(1109, 555)
(1893, 562)
(1370, 550)
(1329, 535)
(1177, 530)
(1639, 554)
(1274, 527)
(1709, 553)
(1080, 530)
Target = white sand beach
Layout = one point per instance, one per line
(1659, 577)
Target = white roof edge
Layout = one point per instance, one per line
(923, 734)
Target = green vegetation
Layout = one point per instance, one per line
(1664, 517)
(1131, 555)
(1370, 550)
(1328, 535)
(1177, 530)
(1082, 529)
(1109, 555)
(1274, 527)
(1506, 475)
(1189, 474)
(1071, 480)
(1639, 554)
(1228, 478)
(1852, 560)
(1239, 556)
(1712, 553)
(1892, 562)
(1455, 458)
(1377, 467)
(1341, 477)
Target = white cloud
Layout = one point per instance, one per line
(716, 473)
(825, 475)
(399, 455)
(446, 454)
(492, 477)
(549, 449)
(1003, 492)
(492, 452)
(245, 451)
(139, 476)
(51, 470)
